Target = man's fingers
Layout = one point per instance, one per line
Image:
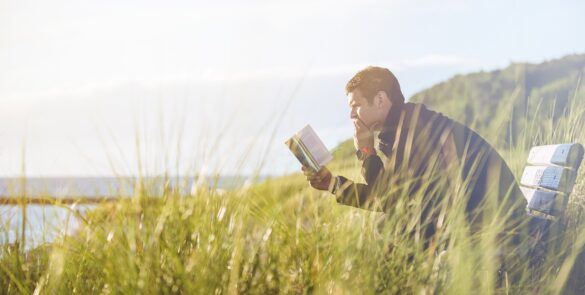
(323, 172)
(315, 183)
(357, 130)
(310, 172)
(314, 178)
(360, 126)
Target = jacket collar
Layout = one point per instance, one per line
(388, 132)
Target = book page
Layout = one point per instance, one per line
(315, 146)
(301, 153)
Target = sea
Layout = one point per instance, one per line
(44, 223)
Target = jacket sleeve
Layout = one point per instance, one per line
(359, 195)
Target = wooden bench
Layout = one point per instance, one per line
(549, 177)
(547, 182)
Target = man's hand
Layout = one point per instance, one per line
(362, 136)
(319, 180)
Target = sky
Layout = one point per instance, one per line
(93, 88)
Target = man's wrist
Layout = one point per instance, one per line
(332, 185)
(364, 152)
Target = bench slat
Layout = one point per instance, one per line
(566, 155)
(546, 202)
(550, 177)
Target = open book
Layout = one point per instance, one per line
(309, 149)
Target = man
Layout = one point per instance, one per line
(421, 155)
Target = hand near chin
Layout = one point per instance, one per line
(363, 136)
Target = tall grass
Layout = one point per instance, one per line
(281, 236)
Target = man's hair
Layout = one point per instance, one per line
(371, 80)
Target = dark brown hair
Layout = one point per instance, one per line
(371, 80)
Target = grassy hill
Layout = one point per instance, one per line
(509, 99)
(281, 236)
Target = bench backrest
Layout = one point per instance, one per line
(549, 177)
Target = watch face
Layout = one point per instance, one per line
(359, 154)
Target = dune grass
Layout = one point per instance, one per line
(281, 236)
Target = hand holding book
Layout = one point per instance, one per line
(318, 180)
(313, 155)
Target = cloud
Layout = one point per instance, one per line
(226, 76)
(432, 60)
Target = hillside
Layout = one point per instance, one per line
(507, 99)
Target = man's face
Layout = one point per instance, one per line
(371, 114)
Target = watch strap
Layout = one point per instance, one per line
(364, 152)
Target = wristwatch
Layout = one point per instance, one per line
(364, 152)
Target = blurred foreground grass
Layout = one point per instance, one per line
(281, 236)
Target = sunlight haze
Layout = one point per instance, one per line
(79, 81)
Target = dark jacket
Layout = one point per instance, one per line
(412, 163)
